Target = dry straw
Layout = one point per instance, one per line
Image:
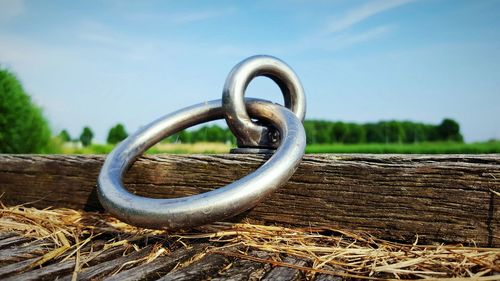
(357, 255)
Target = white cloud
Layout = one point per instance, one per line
(10, 9)
(336, 33)
(181, 18)
(361, 13)
(343, 40)
(102, 40)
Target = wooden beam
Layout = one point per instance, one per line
(450, 198)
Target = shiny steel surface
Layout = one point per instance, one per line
(247, 132)
(207, 207)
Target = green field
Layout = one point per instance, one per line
(418, 148)
(210, 148)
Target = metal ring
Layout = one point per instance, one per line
(215, 205)
(247, 132)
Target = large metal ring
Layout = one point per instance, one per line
(215, 205)
(247, 132)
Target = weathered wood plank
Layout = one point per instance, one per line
(6, 235)
(282, 273)
(16, 268)
(99, 270)
(60, 269)
(157, 268)
(202, 269)
(14, 241)
(327, 277)
(243, 270)
(447, 198)
(18, 253)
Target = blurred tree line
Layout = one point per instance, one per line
(115, 135)
(317, 131)
(321, 132)
(324, 132)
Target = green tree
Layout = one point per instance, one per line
(117, 134)
(449, 130)
(323, 131)
(339, 132)
(215, 134)
(185, 137)
(86, 136)
(355, 134)
(374, 133)
(310, 132)
(419, 133)
(23, 128)
(64, 136)
(229, 137)
(393, 132)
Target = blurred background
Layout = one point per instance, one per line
(381, 76)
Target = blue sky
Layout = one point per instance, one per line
(98, 63)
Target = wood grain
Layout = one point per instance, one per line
(60, 270)
(243, 270)
(157, 268)
(442, 198)
(286, 273)
(202, 269)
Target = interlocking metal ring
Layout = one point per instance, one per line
(247, 132)
(215, 205)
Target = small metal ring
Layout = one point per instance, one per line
(247, 132)
(215, 205)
